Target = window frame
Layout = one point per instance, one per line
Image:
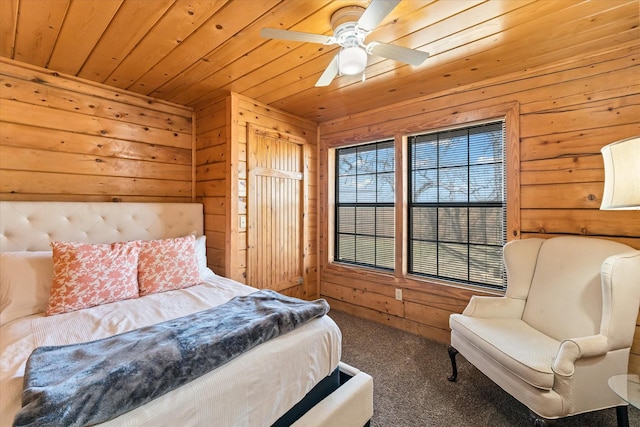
(357, 204)
(436, 120)
(467, 205)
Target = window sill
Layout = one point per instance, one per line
(408, 281)
(476, 289)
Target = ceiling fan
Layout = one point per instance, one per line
(351, 25)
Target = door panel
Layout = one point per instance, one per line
(275, 209)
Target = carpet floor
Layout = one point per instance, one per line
(411, 388)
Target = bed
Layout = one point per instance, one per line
(290, 379)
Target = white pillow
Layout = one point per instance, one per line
(25, 281)
(201, 255)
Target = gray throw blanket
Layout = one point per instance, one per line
(89, 383)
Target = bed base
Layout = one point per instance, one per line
(349, 405)
(321, 390)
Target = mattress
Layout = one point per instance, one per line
(254, 389)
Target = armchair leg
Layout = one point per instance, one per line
(452, 355)
(622, 414)
(538, 421)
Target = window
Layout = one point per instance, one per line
(365, 205)
(457, 205)
(454, 187)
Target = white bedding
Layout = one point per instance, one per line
(253, 390)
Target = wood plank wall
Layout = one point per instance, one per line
(567, 110)
(67, 139)
(213, 128)
(221, 171)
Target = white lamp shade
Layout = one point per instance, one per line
(621, 174)
(352, 60)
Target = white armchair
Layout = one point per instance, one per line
(565, 325)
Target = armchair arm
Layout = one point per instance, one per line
(494, 307)
(620, 276)
(577, 348)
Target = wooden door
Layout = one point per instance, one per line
(275, 208)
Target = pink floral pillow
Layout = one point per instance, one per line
(167, 264)
(86, 275)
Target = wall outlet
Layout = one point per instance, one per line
(399, 294)
(243, 221)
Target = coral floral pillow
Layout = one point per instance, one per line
(86, 275)
(167, 264)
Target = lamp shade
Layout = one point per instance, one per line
(352, 60)
(621, 174)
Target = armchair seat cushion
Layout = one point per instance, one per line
(521, 349)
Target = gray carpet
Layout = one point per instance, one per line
(411, 388)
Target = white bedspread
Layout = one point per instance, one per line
(253, 390)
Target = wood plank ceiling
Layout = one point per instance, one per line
(191, 51)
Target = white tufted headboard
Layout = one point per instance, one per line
(31, 226)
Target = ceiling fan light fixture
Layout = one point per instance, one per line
(352, 60)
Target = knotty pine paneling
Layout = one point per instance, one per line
(212, 171)
(567, 112)
(192, 52)
(221, 171)
(63, 138)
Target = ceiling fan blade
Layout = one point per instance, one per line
(375, 13)
(398, 53)
(329, 73)
(274, 33)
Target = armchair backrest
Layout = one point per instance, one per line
(565, 299)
